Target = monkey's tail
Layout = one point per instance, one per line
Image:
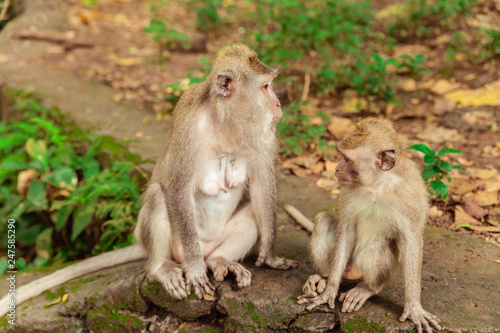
(90, 265)
(300, 218)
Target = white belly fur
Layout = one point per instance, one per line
(220, 192)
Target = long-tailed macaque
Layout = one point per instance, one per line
(383, 211)
(212, 195)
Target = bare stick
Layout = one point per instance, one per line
(299, 218)
(307, 84)
(3, 14)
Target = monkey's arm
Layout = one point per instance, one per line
(344, 245)
(181, 206)
(263, 194)
(411, 250)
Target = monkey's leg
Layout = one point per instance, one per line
(155, 235)
(239, 236)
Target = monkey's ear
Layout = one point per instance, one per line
(386, 159)
(225, 84)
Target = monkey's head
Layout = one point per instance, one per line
(242, 86)
(367, 153)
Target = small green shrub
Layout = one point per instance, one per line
(165, 37)
(493, 43)
(84, 192)
(436, 169)
(208, 13)
(296, 134)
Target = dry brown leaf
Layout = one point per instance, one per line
(305, 161)
(302, 173)
(492, 187)
(481, 173)
(289, 165)
(317, 168)
(488, 94)
(339, 126)
(330, 165)
(483, 198)
(461, 217)
(443, 106)
(24, 179)
(442, 86)
(411, 50)
(485, 228)
(494, 223)
(461, 186)
(440, 135)
(409, 85)
(327, 184)
(463, 161)
(434, 212)
(473, 208)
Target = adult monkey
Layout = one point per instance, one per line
(383, 211)
(212, 194)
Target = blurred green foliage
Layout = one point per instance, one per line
(71, 192)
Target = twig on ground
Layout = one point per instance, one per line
(299, 218)
(307, 85)
(66, 43)
(3, 14)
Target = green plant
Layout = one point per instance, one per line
(493, 43)
(165, 37)
(208, 16)
(71, 192)
(412, 65)
(296, 134)
(436, 169)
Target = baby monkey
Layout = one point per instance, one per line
(383, 211)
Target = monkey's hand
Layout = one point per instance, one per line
(199, 284)
(420, 317)
(275, 262)
(328, 296)
(314, 285)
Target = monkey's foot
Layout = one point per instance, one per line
(275, 262)
(420, 318)
(328, 296)
(200, 284)
(170, 275)
(220, 267)
(314, 285)
(354, 298)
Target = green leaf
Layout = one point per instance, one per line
(459, 167)
(430, 172)
(440, 188)
(430, 160)
(82, 217)
(422, 148)
(21, 263)
(35, 148)
(62, 177)
(63, 215)
(448, 151)
(40, 262)
(90, 167)
(37, 194)
(3, 265)
(444, 166)
(43, 243)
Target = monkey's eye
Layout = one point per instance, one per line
(266, 86)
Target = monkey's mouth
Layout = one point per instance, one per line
(275, 120)
(343, 181)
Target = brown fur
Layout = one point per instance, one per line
(383, 211)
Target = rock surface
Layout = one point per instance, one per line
(460, 280)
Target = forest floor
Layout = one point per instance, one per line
(99, 65)
(106, 43)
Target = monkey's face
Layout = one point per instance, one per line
(346, 171)
(271, 103)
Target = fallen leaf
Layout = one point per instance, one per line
(497, 261)
(353, 105)
(327, 184)
(483, 174)
(305, 161)
(443, 106)
(492, 187)
(330, 165)
(493, 222)
(411, 50)
(483, 198)
(441, 86)
(434, 212)
(339, 126)
(24, 179)
(473, 208)
(463, 161)
(440, 135)
(479, 117)
(484, 228)
(302, 173)
(317, 168)
(488, 94)
(461, 217)
(289, 165)
(409, 85)
(124, 61)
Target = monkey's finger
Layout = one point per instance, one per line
(342, 297)
(427, 327)
(404, 316)
(434, 321)
(321, 285)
